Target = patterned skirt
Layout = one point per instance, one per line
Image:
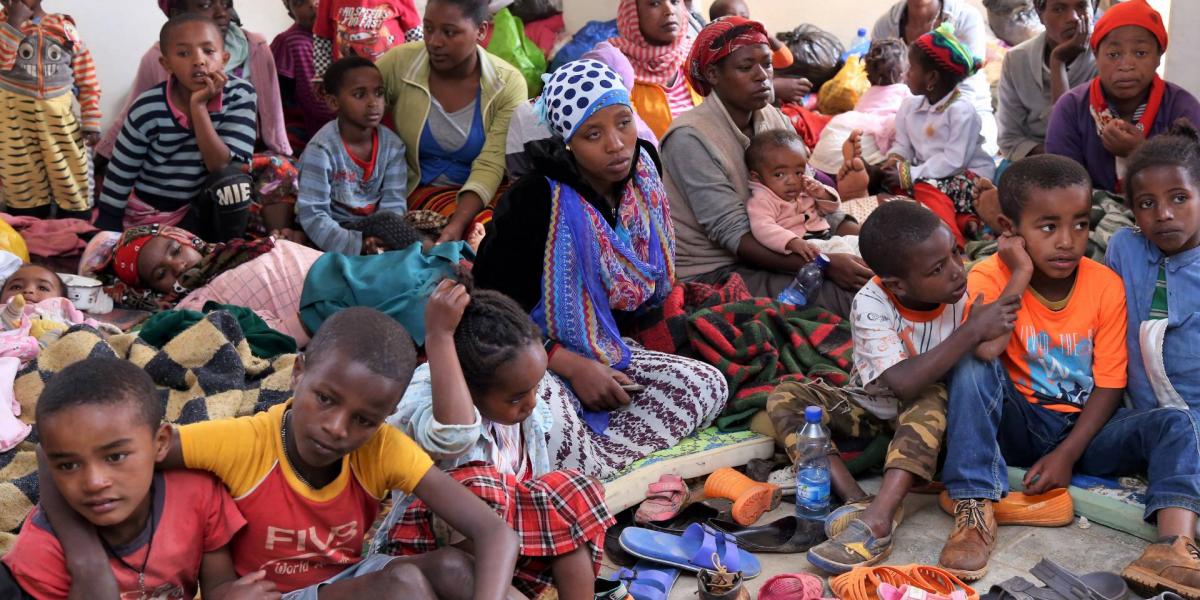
(444, 199)
(681, 396)
(552, 515)
(43, 157)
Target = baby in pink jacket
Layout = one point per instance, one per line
(787, 206)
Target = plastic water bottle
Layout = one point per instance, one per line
(807, 283)
(860, 46)
(812, 471)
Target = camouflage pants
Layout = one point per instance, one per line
(917, 431)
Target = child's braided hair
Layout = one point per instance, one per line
(493, 330)
(1179, 147)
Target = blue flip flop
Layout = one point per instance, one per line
(692, 551)
(648, 580)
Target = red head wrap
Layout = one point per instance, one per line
(718, 40)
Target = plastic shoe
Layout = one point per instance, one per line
(1052, 509)
(750, 498)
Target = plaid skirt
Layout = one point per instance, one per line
(552, 515)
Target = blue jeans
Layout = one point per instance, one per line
(990, 426)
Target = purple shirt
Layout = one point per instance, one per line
(1072, 130)
(293, 51)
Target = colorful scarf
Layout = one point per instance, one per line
(717, 41)
(947, 52)
(592, 269)
(238, 47)
(127, 290)
(575, 91)
(1102, 114)
(658, 65)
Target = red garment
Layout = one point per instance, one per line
(1135, 12)
(194, 515)
(942, 206)
(368, 166)
(552, 515)
(809, 124)
(365, 27)
(544, 32)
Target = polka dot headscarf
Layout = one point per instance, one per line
(576, 91)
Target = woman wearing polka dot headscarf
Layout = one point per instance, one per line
(583, 242)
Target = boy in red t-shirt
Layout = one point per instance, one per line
(164, 534)
(366, 28)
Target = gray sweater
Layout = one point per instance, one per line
(1024, 108)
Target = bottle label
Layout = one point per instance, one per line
(812, 489)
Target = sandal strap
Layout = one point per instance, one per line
(658, 578)
(1062, 581)
(709, 541)
(1013, 588)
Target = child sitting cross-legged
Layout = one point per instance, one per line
(938, 154)
(787, 206)
(909, 330)
(163, 534)
(1047, 396)
(477, 401)
(309, 476)
(352, 168)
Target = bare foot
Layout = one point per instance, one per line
(475, 237)
(853, 179)
(987, 203)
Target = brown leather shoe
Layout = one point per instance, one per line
(966, 553)
(1171, 565)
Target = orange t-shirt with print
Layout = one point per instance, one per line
(1055, 358)
(298, 535)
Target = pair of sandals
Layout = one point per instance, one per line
(787, 535)
(663, 555)
(1061, 584)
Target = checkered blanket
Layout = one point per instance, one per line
(755, 342)
(206, 372)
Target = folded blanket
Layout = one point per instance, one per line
(755, 342)
(206, 372)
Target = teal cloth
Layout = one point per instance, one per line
(397, 283)
(264, 342)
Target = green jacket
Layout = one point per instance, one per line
(406, 79)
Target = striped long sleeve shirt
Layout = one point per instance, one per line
(82, 80)
(157, 157)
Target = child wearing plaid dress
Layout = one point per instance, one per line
(475, 408)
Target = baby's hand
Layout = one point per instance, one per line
(804, 249)
(212, 88)
(445, 308)
(816, 189)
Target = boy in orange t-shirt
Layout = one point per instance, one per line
(1050, 403)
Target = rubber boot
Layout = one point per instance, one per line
(750, 498)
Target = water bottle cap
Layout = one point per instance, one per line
(823, 260)
(862, 32)
(812, 414)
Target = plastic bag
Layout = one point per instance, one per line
(534, 10)
(841, 93)
(588, 36)
(11, 241)
(510, 43)
(817, 54)
(1013, 21)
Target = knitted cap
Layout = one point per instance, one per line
(1135, 12)
(947, 52)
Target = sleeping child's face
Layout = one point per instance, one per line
(782, 168)
(511, 398)
(35, 282)
(1127, 59)
(193, 52)
(1166, 205)
(163, 260)
(102, 459)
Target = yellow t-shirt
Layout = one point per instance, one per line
(300, 536)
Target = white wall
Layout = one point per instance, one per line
(120, 31)
(1184, 50)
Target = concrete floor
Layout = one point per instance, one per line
(925, 528)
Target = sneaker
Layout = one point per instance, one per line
(841, 516)
(1171, 565)
(784, 479)
(854, 547)
(966, 552)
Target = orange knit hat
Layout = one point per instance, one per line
(1134, 12)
